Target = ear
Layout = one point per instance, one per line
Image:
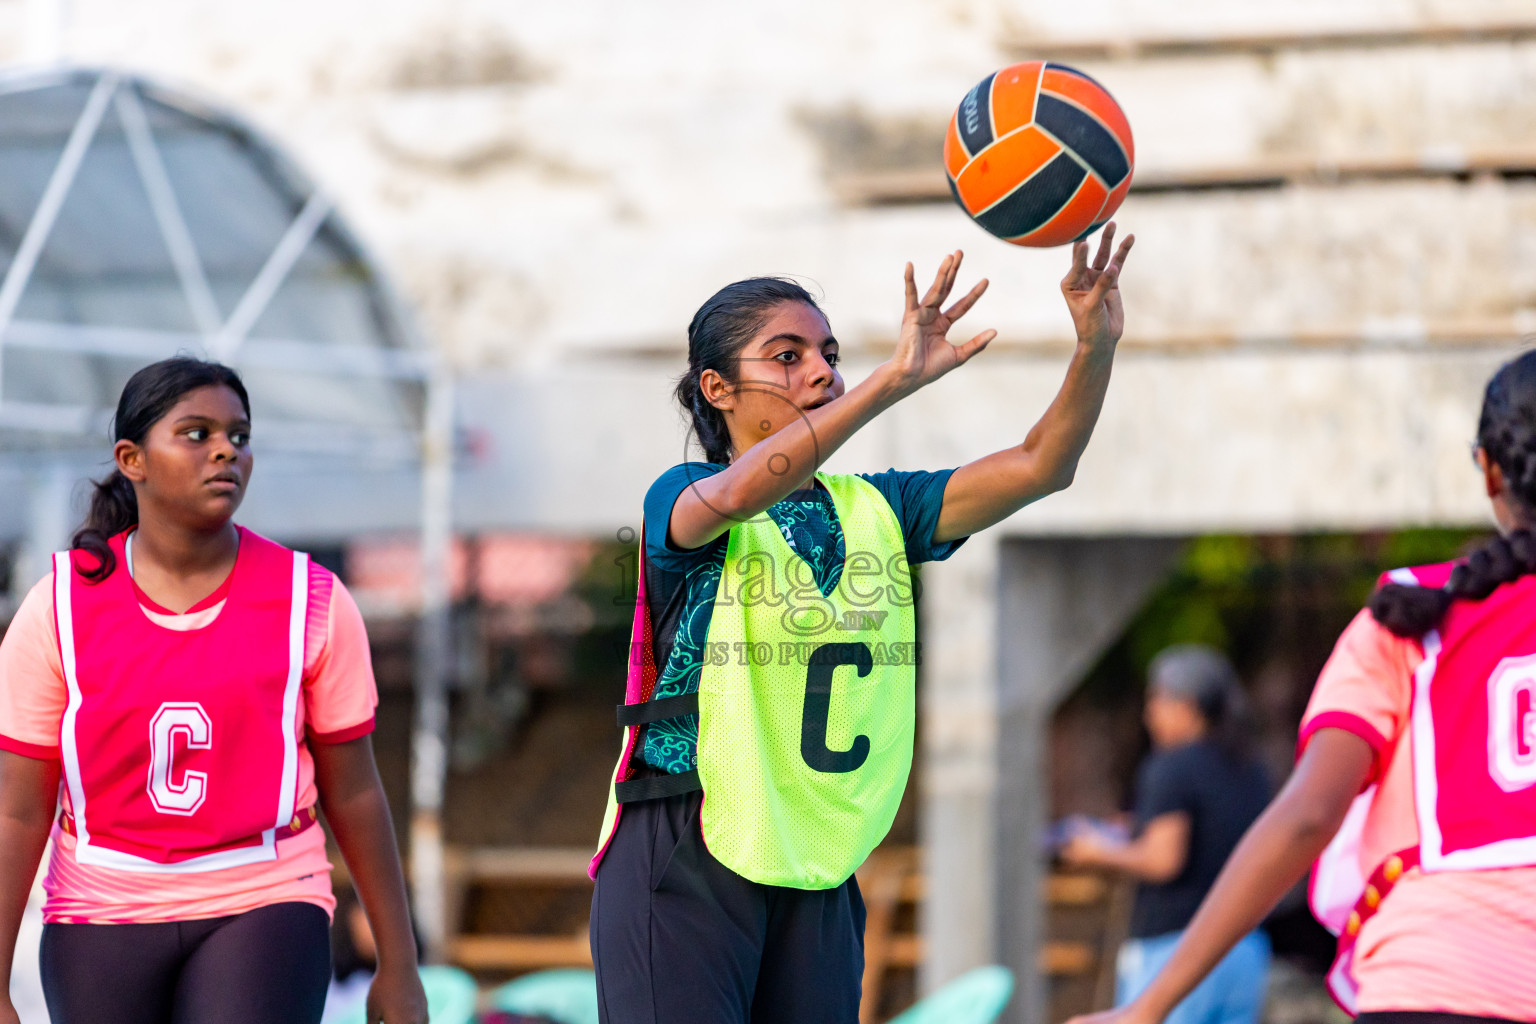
(130, 461)
(717, 391)
(1493, 477)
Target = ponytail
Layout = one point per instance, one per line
(147, 397)
(717, 334)
(114, 508)
(1506, 432)
(1411, 611)
(709, 427)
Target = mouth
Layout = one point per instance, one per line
(224, 482)
(819, 403)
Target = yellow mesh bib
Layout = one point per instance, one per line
(807, 702)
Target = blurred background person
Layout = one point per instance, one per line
(1195, 795)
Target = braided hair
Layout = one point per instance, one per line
(1506, 431)
(717, 334)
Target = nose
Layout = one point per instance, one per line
(819, 372)
(224, 450)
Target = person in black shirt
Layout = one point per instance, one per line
(1196, 795)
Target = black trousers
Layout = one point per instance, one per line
(678, 938)
(267, 966)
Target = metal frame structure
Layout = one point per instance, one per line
(226, 338)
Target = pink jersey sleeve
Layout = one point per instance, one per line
(32, 690)
(1364, 688)
(340, 694)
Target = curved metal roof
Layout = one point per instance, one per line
(136, 222)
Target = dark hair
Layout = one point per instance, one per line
(147, 397)
(1506, 431)
(1203, 676)
(716, 335)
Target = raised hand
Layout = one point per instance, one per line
(923, 351)
(1093, 292)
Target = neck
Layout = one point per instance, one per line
(179, 551)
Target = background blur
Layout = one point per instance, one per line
(454, 246)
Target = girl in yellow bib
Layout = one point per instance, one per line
(769, 717)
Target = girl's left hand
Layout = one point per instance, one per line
(1093, 292)
(923, 350)
(396, 997)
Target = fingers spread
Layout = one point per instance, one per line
(1110, 278)
(911, 289)
(975, 345)
(1106, 239)
(936, 290)
(954, 274)
(1079, 265)
(1120, 254)
(966, 301)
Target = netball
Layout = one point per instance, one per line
(1039, 154)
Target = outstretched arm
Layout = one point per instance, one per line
(989, 490)
(1271, 858)
(775, 466)
(355, 808)
(29, 789)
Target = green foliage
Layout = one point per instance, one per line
(1262, 597)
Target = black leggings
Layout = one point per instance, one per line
(267, 966)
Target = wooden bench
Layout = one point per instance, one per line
(547, 867)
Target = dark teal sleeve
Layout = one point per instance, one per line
(916, 498)
(659, 500)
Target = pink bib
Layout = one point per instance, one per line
(1473, 728)
(1474, 733)
(180, 748)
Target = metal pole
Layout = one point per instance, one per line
(429, 746)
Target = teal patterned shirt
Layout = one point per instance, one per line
(681, 585)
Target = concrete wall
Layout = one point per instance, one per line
(558, 186)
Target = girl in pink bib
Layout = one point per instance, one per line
(191, 694)
(1415, 785)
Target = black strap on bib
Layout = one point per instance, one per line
(658, 710)
(656, 787)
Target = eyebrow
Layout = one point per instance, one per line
(799, 340)
(193, 418)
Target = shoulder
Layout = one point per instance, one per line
(672, 482)
(659, 499)
(1366, 685)
(663, 492)
(917, 498)
(904, 487)
(34, 616)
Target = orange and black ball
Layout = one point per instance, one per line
(1039, 154)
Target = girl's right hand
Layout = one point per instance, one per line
(397, 997)
(923, 352)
